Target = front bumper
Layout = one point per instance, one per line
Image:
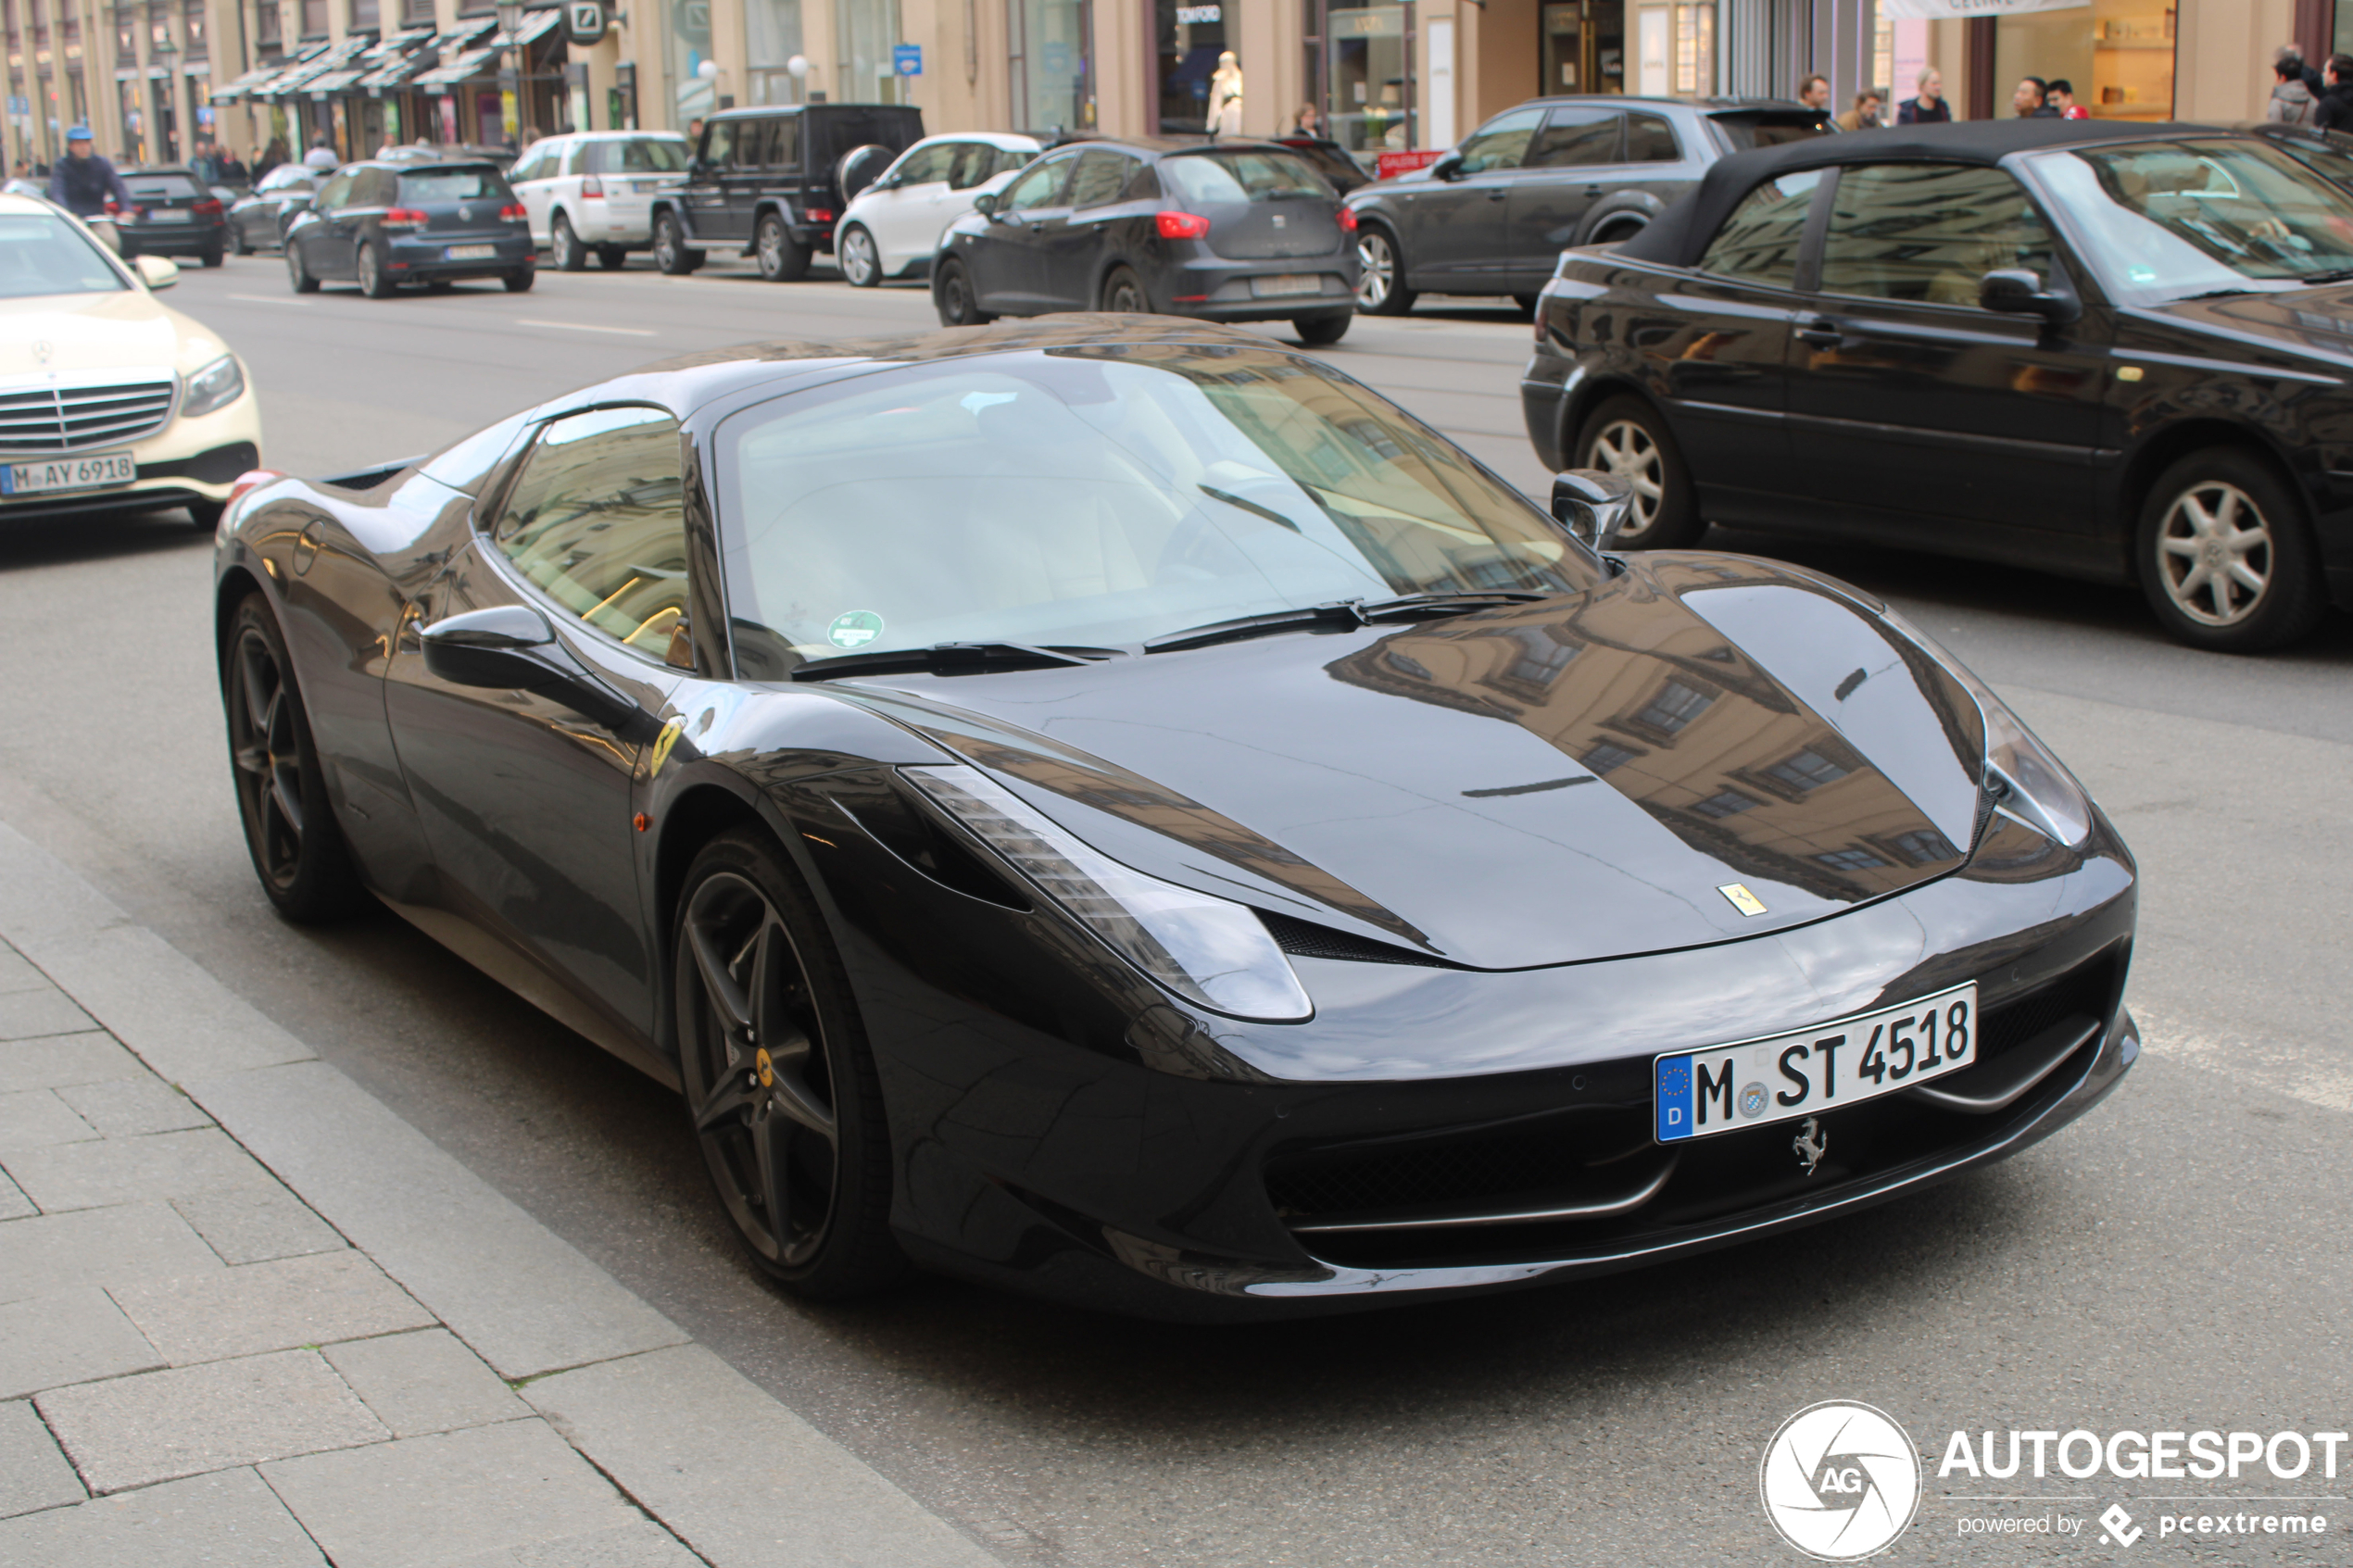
(187, 460)
(411, 256)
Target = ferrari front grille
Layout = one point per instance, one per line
(67, 415)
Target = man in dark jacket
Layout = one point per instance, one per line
(82, 180)
(2335, 110)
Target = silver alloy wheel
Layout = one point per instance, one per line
(666, 243)
(570, 254)
(770, 242)
(859, 263)
(371, 272)
(1375, 269)
(267, 747)
(2214, 553)
(756, 1071)
(1626, 449)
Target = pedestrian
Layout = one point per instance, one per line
(322, 156)
(2062, 98)
(233, 168)
(84, 181)
(2292, 102)
(2031, 101)
(1930, 108)
(2335, 111)
(1864, 116)
(1814, 92)
(1308, 121)
(2292, 55)
(694, 135)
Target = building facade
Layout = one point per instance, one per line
(155, 76)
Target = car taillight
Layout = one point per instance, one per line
(1183, 226)
(821, 215)
(592, 188)
(252, 479)
(404, 218)
(208, 207)
(513, 213)
(1348, 219)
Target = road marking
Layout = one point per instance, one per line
(584, 327)
(272, 299)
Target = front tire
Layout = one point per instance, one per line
(2225, 556)
(1320, 331)
(672, 255)
(1123, 293)
(374, 280)
(296, 273)
(1380, 273)
(1627, 437)
(780, 1087)
(564, 247)
(860, 261)
(781, 259)
(281, 792)
(952, 296)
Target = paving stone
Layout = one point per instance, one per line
(37, 1118)
(55, 1060)
(256, 1224)
(71, 1337)
(225, 1521)
(428, 1382)
(642, 1544)
(34, 1473)
(258, 1307)
(86, 1176)
(125, 1245)
(156, 1000)
(16, 974)
(24, 1014)
(432, 1500)
(134, 1107)
(161, 1425)
(13, 1205)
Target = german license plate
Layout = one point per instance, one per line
(93, 472)
(1782, 1077)
(167, 215)
(472, 253)
(1288, 283)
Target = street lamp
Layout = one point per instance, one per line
(510, 24)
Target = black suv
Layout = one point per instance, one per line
(768, 183)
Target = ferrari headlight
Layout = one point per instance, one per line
(214, 387)
(1208, 950)
(2033, 784)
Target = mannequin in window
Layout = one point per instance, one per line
(1226, 97)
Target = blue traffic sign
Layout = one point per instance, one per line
(907, 60)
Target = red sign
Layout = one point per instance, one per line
(1394, 164)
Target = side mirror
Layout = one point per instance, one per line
(1448, 168)
(2015, 290)
(986, 204)
(155, 272)
(1592, 505)
(511, 647)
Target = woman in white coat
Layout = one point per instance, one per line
(1226, 97)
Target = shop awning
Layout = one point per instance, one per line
(472, 63)
(1949, 10)
(334, 57)
(331, 82)
(263, 79)
(230, 91)
(535, 26)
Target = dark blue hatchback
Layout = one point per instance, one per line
(382, 225)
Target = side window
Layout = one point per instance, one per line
(969, 163)
(1502, 143)
(1143, 184)
(755, 143)
(575, 157)
(1038, 187)
(527, 167)
(1928, 232)
(719, 142)
(335, 192)
(375, 187)
(784, 142)
(1101, 177)
(596, 522)
(929, 166)
(1759, 243)
(1578, 138)
(1650, 139)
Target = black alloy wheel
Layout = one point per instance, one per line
(564, 247)
(1123, 293)
(861, 262)
(671, 254)
(780, 1087)
(282, 794)
(374, 281)
(953, 296)
(521, 279)
(781, 259)
(211, 257)
(1625, 436)
(1380, 275)
(2225, 556)
(612, 258)
(1319, 331)
(296, 273)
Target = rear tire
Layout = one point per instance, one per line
(1627, 437)
(953, 298)
(781, 259)
(2225, 555)
(1380, 276)
(564, 247)
(296, 273)
(1319, 331)
(520, 280)
(672, 255)
(211, 257)
(290, 828)
(1123, 293)
(374, 280)
(861, 262)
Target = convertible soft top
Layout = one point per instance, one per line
(1678, 235)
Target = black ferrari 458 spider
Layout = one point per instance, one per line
(1112, 806)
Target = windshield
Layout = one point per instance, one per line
(1099, 495)
(2167, 221)
(454, 185)
(1206, 179)
(44, 255)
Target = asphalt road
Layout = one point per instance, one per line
(2178, 1260)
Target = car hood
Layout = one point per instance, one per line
(2303, 322)
(1577, 779)
(90, 332)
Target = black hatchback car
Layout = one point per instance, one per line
(1492, 216)
(258, 219)
(1222, 232)
(2118, 353)
(384, 225)
(769, 183)
(177, 215)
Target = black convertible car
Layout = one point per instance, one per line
(1111, 805)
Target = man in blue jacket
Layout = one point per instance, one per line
(82, 180)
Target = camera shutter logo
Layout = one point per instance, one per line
(1840, 1481)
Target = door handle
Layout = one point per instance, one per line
(1819, 330)
(1495, 193)
(1593, 191)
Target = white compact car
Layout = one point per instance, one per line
(592, 192)
(893, 226)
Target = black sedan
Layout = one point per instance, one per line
(2115, 352)
(1229, 232)
(258, 220)
(176, 215)
(1494, 215)
(1114, 808)
(388, 225)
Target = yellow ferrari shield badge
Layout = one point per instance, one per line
(1741, 898)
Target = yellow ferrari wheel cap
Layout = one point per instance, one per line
(767, 1069)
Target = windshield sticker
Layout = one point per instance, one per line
(855, 629)
(2141, 274)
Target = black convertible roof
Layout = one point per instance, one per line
(1679, 234)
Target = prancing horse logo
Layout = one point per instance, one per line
(1810, 1144)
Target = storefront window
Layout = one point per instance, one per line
(866, 31)
(1370, 82)
(1190, 38)
(1053, 64)
(1694, 68)
(1584, 46)
(689, 47)
(2118, 55)
(772, 37)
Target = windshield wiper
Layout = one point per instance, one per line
(948, 659)
(1269, 513)
(1342, 612)
(2336, 276)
